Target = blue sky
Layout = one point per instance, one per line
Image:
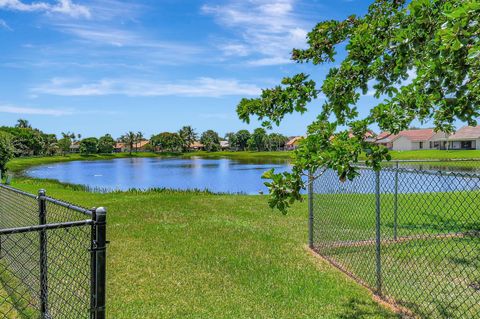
(99, 66)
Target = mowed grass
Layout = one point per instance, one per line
(197, 255)
(434, 277)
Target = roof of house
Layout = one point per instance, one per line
(385, 137)
(224, 144)
(294, 140)
(141, 143)
(196, 144)
(75, 145)
(466, 132)
(368, 134)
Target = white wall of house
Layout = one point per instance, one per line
(404, 144)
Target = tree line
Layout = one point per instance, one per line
(23, 140)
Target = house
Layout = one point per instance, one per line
(75, 147)
(466, 138)
(386, 139)
(196, 146)
(141, 146)
(293, 143)
(410, 140)
(224, 145)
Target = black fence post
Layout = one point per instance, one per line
(378, 269)
(310, 209)
(42, 220)
(98, 263)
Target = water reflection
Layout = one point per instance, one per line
(217, 175)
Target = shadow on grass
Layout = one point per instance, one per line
(18, 301)
(360, 309)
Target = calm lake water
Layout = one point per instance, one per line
(235, 176)
(216, 175)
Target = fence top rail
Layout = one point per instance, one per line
(67, 205)
(27, 229)
(49, 199)
(17, 191)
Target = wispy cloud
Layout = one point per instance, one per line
(267, 28)
(64, 7)
(200, 87)
(4, 25)
(20, 110)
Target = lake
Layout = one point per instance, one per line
(234, 176)
(216, 175)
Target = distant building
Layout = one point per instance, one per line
(466, 138)
(142, 146)
(293, 143)
(410, 140)
(75, 147)
(196, 146)
(224, 145)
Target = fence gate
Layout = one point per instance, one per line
(52, 257)
(411, 235)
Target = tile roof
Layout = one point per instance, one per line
(417, 135)
(466, 132)
(294, 140)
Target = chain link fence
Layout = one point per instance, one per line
(52, 258)
(410, 232)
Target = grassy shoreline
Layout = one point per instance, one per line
(19, 164)
(198, 255)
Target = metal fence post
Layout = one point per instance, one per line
(377, 233)
(42, 220)
(98, 263)
(395, 206)
(310, 209)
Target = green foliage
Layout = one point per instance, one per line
(231, 138)
(166, 141)
(64, 144)
(258, 140)
(89, 146)
(129, 139)
(188, 136)
(106, 144)
(242, 138)
(276, 142)
(26, 141)
(6, 152)
(22, 123)
(210, 141)
(421, 58)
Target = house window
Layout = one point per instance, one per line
(466, 145)
(420, 145)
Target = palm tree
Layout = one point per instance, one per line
(139, 140)
(188, 136)
(22, 123)
(129, 139)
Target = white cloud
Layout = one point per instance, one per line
(266, 28)
(33, 111)
(65, 7)
(4, 25)
(200, 87)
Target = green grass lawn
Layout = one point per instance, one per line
(197, 255)
(435, 277)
